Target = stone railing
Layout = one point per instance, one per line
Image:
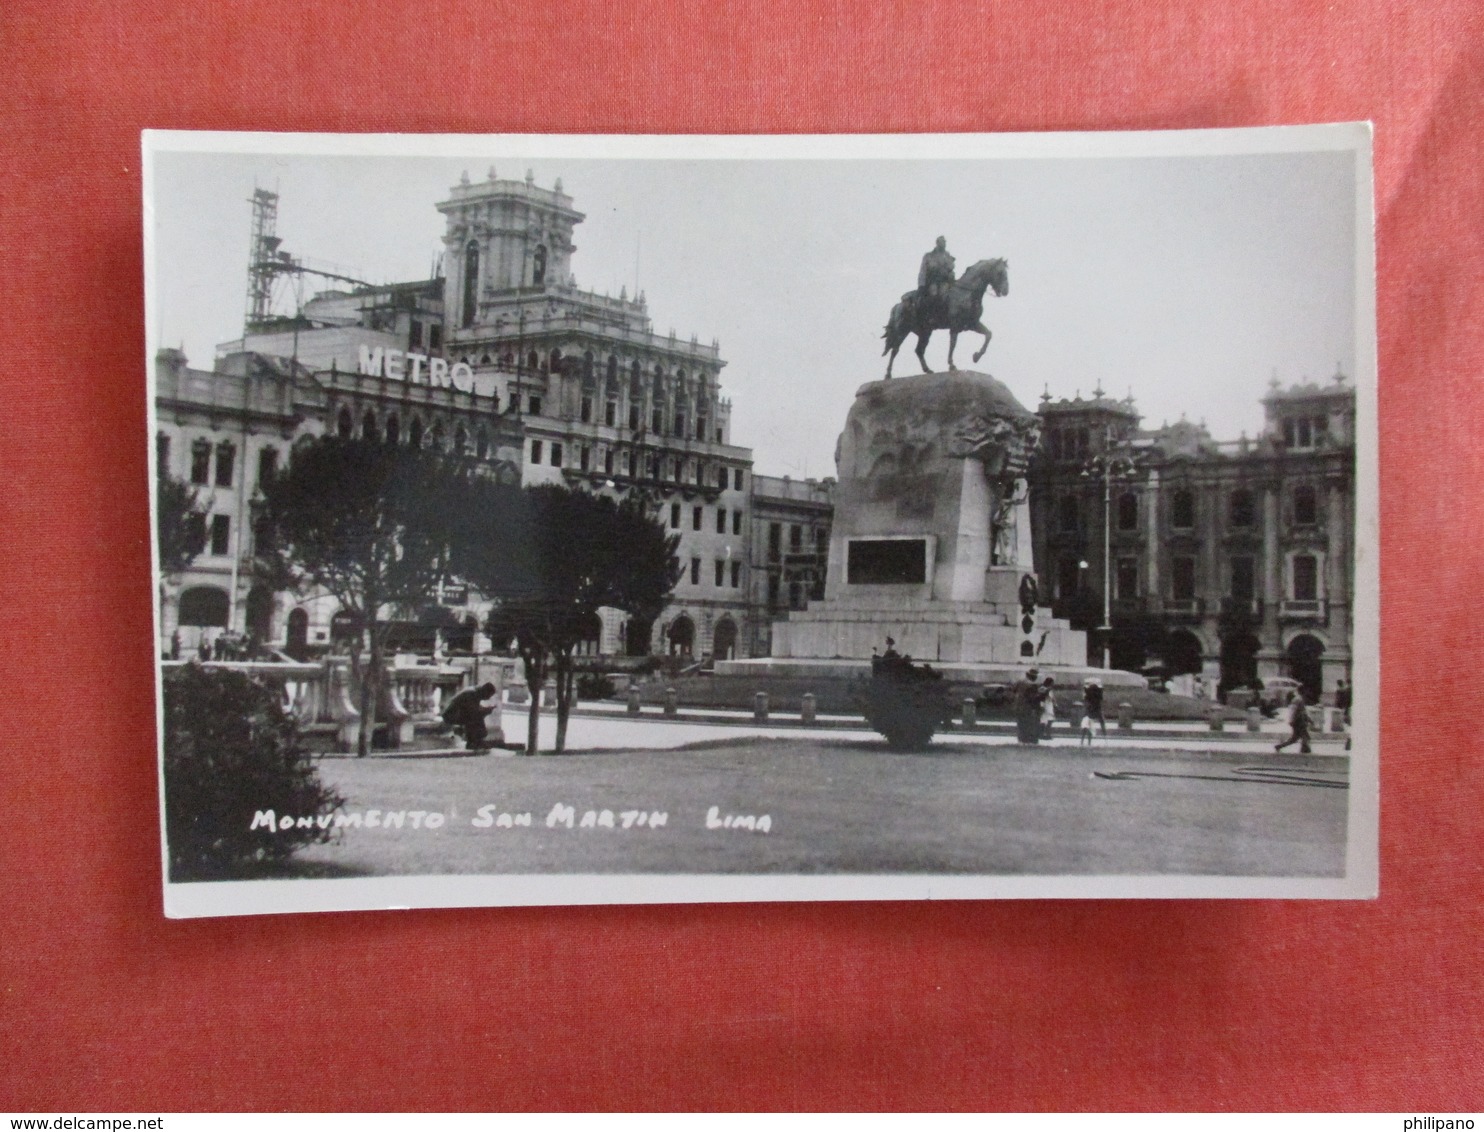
(323, 697)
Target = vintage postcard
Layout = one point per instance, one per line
(548, 520)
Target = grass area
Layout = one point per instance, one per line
(847, 806)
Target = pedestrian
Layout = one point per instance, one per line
(1028, 708)
(466, 711)
(1298, 723)
(1092, 699)
(1048, 706)
(1342, 700)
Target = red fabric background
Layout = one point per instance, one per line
(106, 1005)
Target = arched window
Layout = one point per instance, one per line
(612, 375)
(369, 431)
(437, 436)
(484, 359)
(393, 430)
(556, 361)
(460, 440)
(162, 453)
(267, 465)
(588, 372)
(1243, 509)
(344, 425)
(538, 266)
(533, 362)
(415, 433)
(482, 445)
(204, 606)
(1182, 510)
(471, 283)
(636, 381)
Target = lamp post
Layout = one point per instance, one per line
(1108, 465)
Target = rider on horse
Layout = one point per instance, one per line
(935, 276)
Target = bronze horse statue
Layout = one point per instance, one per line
(959, 310)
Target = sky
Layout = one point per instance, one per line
(1189, 281)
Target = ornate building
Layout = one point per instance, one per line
(504, 358)
(1229, 559)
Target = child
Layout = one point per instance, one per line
(1048, 706)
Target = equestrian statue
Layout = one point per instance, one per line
(943, 303)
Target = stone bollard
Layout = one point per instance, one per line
(633, 699)
(1079, 709)
(672, 701)
(1254, 718)
(1213, 718)
(1336, 719)
(1125, 717)
(971, 714)
(806, 708)
(760, 706)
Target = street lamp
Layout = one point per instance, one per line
(1109, 465)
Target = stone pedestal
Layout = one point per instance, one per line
(931, 538)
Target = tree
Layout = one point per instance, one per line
(553, 556)
(369, 524)
(180, 526)
(232, 759)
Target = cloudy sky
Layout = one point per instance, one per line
(1188, 280)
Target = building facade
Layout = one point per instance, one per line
(790, 550)
(1231, 560)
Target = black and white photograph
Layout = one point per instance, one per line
(568, 520)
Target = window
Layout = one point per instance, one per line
(471, 283)
(679, 422)
(1068, 513)
(821, 540)
(721, 478)
(1243, 511)
(482, 444)
(369, 431)
(538, 266)
(201, 462)
(1126, 579)
(196, 531)
(773, 583)
(695, 571)
(1068, 577)
(628, 463)
(736, 522)
(695, 518)
(221, 534)
(584, 457)
(736, 573)
(674, 516)
(736, 475)
(1128, 511)
(775, 541)
(701, 430)
(633, 415)
(226, 462)
(1244, 579)
(1182, 579)
(267, 465)
(587, 410)
(415, 433)
(657, 422)
(1305, 506)
(435, 335)
(533, 405)
(1305, 433)
(608, 462)
(556, 454)
(415, 334)
(721, 523)
(343, 424)
(535, 451)
(162, 454)
(721, 572)
(1182, 510)
(795, 538)
(393, 429)
(610, 413)
(1305, 577)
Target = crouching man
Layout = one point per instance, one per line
(466, 712)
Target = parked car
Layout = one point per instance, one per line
(1276, 692)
